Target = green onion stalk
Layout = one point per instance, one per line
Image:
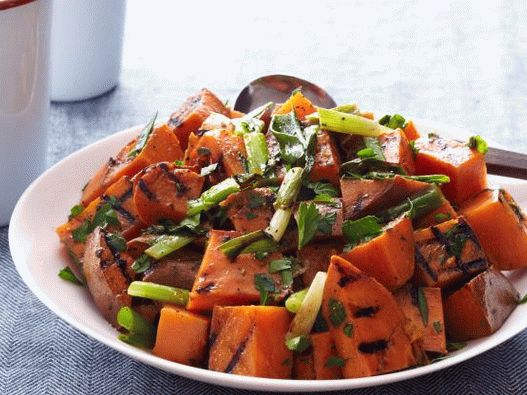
(138, 331)
(161, 293)
(342, 122)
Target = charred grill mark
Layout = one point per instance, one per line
(366, 312)
(373, 347)
(212, 339)
(119, 208)
(144, 188)
(181, 188)
(423, 264)
(121, 263)
(357, 206)
(125, 196)
(239, 351)
(346, 279)
(476, 264)
(206, 288)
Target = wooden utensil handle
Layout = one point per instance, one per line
(506, 163)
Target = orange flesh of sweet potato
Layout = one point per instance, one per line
(162, 145)
(480, 307)
(129, 221)
(225, 282)
(443, 213)
(327, 159)
(181, 336)
(465, 166)
(396, 150)
(447, 254)
(501, 228)
(315, 258)
(323, 349)
(249, 340)
(251, 209)
(162, 192)
(107, 274)
(303, 368)
(389, 257)
(432, 335)
(189, 117)
(299, 103)
(365, 322)
(361, 197)
(411, 131)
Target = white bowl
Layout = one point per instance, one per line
(38, 256)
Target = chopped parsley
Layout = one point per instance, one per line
(116, 241)
(337, 314)
(423, 305)
(280, 264)
(142, 263)
(67, 274)
(256, 201)
(265, 285)
(363, 229)
(76, 210)
(310, 221)
(104, 216)
(437, 326)
(442, 217)
(334, 361)
(143, 137)
(348, 329)
(366, 153)
(250, 215)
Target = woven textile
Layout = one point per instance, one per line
(461, 63)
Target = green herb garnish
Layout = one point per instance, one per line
(143, 137)
(423, 305)
(265, 285)
(334, 361)
(523, 300)
(116, 241)
(360, 230)
(437, 326)
(442, 217)
(455, 346)
(67, 274)
(395, 121)
(310, 221)
(138, 331)
(142, 264)
(76, 210)
(348, 329)
(280, 264)
(337, 314)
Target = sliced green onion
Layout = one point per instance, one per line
(342, 122)
(167, 244)
(257, 152)
(298, 343)
(213, 196)
(67, 274)
(415, 207)
(279, 223)
(289, 188)
(234, 246)
(162, 293)
(307, 313)
(140, 333)
(260, 246)
(294, 301)
(373, 144)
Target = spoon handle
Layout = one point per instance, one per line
(506, 163)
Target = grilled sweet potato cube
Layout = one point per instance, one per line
(315, 257)
(303, 368)
(178, 269)
(162, 191)
(299, 103)
(181, 336)
(119, 198)
(189, 117)
(365, 322)
(447, 254)
(327, 159)
(480, 307)
(396, 150)
(324, 354)
(443, 213)
(107, 273)
(249, 340)
(501, 228)
(162, 145)
(362, 197)
(251, 209)
(217, 146)
(225, 282)
(425, 321)
(411, 131)
(465, 166)
(389, 257)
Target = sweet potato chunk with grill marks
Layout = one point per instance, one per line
(315, 257)
(251, 209)
(181, 336)
(108, 274)
(480, 307)
(501, 228)
(431, 335)
(327, 160)
(365, 322)
(465, 166)
(443, 213)
(222, 281)
(323, 349)
(389, 257)
(162, 191)
(447, 254)
(303, 368)
(249, 340)
(162, 145)
(411, 131)
(396, 150)
(189, 117)
(362, 197)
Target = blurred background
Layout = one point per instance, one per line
(457, 62)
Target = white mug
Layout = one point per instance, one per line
(24, 96)
(86, 47)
